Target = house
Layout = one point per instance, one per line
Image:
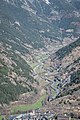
(63, 117)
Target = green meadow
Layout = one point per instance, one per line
(35, 105)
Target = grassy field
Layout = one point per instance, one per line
(1, 117)
(53, 92)
(36, 105)
(42, 57)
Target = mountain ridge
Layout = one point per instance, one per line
(27, 26)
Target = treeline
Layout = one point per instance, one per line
(61, 53)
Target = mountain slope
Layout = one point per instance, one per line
(26, 25)
(67, 61)
(65, 51)
(15, 75)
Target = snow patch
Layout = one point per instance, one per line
(6, 1)
(47, 1)
(69, 30)
(16, 22)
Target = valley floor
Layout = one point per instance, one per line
(51, 84)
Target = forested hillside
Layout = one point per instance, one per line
(67, 49)
(29, 32)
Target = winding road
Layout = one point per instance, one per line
(51, 84)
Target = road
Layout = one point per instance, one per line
(51, 83)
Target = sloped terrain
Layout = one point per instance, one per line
(15, 75)
(69, 67)
(66, 63)
(27, 26)
(65, 51)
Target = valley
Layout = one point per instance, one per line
(39, 59)
(48, 75)
(52, 77)
(52, 81)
